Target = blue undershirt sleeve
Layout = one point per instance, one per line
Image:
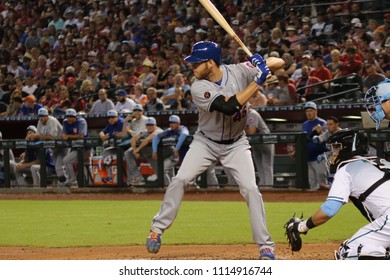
(331, 207)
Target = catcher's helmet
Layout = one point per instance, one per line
(374, 98)
(345, 144)
(203, 51)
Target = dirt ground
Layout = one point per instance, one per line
(182, 252)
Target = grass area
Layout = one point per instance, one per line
(68, 223)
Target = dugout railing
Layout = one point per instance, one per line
(84, 178)
(378, 138)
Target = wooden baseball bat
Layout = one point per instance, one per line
(273, 64)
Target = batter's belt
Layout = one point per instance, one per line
(223, 142)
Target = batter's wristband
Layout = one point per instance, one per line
(310, 224)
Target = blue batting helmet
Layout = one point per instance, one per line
(203, 51)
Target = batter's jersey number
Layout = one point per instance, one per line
(240, 114)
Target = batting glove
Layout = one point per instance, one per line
(262, 74)
(256, 60)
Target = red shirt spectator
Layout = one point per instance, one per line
(320, 71)
(306, 80)
(351, 65)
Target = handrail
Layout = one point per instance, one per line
(333, 95)
(327, 81)
(331, 3)
(298, 138)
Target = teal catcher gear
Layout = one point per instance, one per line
(374, 98)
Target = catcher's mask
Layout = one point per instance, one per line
(343, 145)
(374, 98)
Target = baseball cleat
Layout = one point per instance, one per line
(153, 242)
(267, 254)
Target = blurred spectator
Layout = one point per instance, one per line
(74, 127)
(48, 100)
(378, 41)
(15, 105)
(373, 77)
(63, 101)
(335, 64)
(320, 71)
(276, 37)
(57, 21)
(112, 130)
(350, 65)
(304, 81)
(137, 122)
(14, 68)
(333, 25)
(240, 56)
(317, 29)
(257, 100)
(49, 128)
(385, 27)
(306, 60)
(105, 83)
(29, 165)
(263, 154)
(372, 25)
(154, 102)
(333, 126)
(139, 96)
(287, 93)
(163, 70)
(179, 87)
(30, 106)
(329, 47)
(130, 75)
(272, 90)
(103, 104)
(93, 77)
(313, 126)
(140, 148)
(171, 153)
(86, 91)
(384, 63)
(292, 36)
(290, 66)
(147, 77)
(123, 103)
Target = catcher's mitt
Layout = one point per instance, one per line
(293, 235)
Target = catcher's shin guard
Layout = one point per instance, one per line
(369, 252)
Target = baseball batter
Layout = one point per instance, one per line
(364, 181)
(221, 93)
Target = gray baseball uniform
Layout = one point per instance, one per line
(137, 126)
(132, 170)
(219, 137)
(263, 154)
(53, 127)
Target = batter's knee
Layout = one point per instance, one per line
(181, 179)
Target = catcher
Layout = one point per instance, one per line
(363, 180)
